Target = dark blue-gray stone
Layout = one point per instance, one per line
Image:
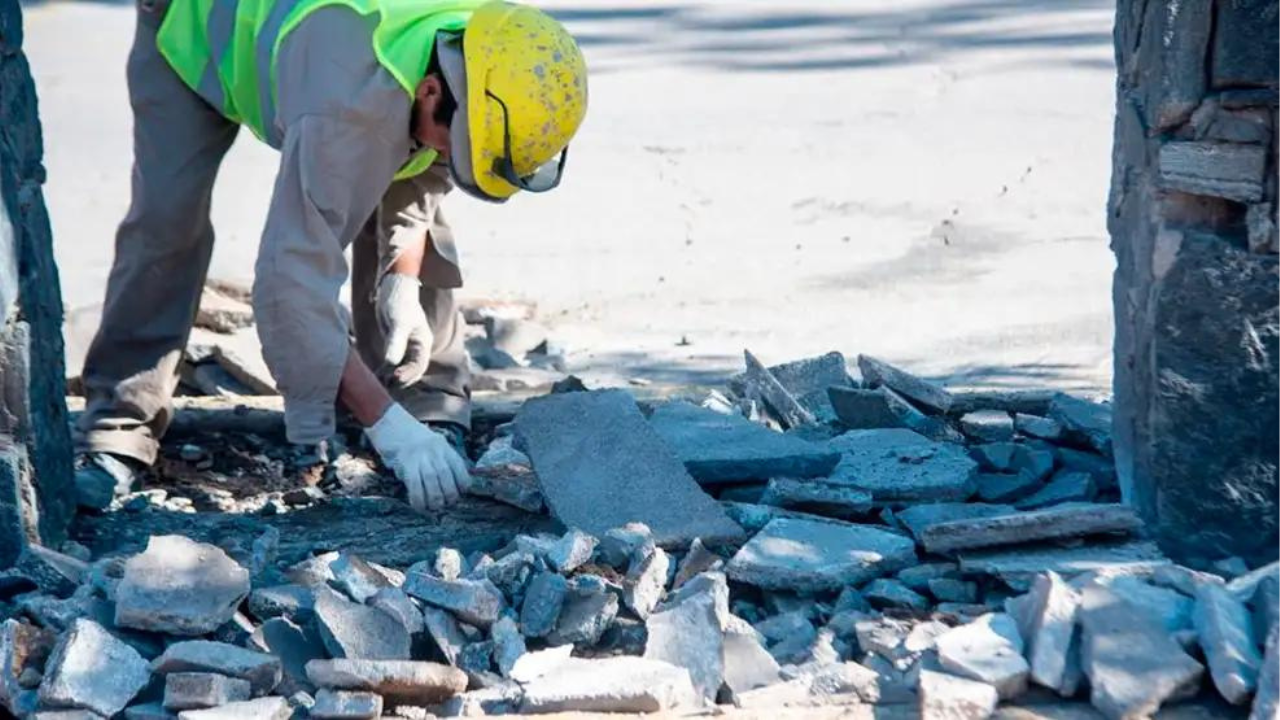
(902, 466)
(1063, 487)
(1246, 44)
(601, 465)
(720, 448)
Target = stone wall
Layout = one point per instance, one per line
(1192, 216)
(35, 439)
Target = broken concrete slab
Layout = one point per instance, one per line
(1021, 564)
(987, 425)
(646, 581)
(397, 603)
(808, 380)
(747, 664)
(267, 708)
(988, 650)
(571, 551)
(354, 631)
(478, 602)
(1083, 421)
(1038, 427)
(1063, 487)
(902, 466)
(584, 617)
(753, 517)
(918, 517)
(52, 572)
(294, 646)
(399, 682)
(587, 448)
(922, 392)
(759, 381)
(543, 599)
(1066, 521)
(695, 562)
(74, 677)
(1030, 402)
(1168, 607)
(808, 555)
(725, 448)
(179, 586)
(195, 690)
(832, 499)
(445, 632)
(885, 593)
(688, 634)
(261, 670)
(1006, 488)
(1133, 665)
(948, 697)
(863, 409)
(356, 578)
(1049, 631)
(345, 705)
(617, 684)
(1230, 648)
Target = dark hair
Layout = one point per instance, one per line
(448, 103)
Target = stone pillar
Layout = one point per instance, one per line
(1192, 217)
(35, 438)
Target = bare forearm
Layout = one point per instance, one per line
(360, 392)
(409, 261)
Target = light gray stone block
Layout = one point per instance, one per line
(267, 708)
(1049, 631)
(805, 556)
(74, 677)
(617, 684)
(1226, 635)
(1226, 170)
(478, 602)
(345, 705)
(261, 670)
(947, 697)
(988, 650)
(399, 682)
(358, 631)
(688, 634)
(194, 690)
(179, 586)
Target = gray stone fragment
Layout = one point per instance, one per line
(267, 708)
(753, 517)
(508, 573)
(953, 590)
(261, 670)
(918, 577)
(835, 499)
(292, 601)
(358, 631)
(1060, 522)
(1064, 487)
(147, 711)
(1227, 170)
(617, 684)
(620, 545)
(900, 465)
(759, 381)
(926, 394)
(1049, 630)
(807, 379)
(1169, 608)
(918, 517)
(601, 485)
(723, 448)
(794, 624)
(295, 646)
(508, 644)
(989, 650)
(883, 593)
(1230, 567)
(747, 664)
(1030, 402)
(193, 690)
(478, 602)
(1033, 461)
(344, 705)
(1021, 564)
(1182, 579)
(1102, 469)
(543, 600)
(397, 603)
(356, 578)
(645, 582)
(584, 618)
(571, 551)
(947, 697)
(688, 634)
(444, 630)
(180, 587)
(490, 700)
(696, 561)
(1230, 647)
(1038, 427)
(1005, 488)
(74, 677)
(51, 571)
(987, 425)
(399, 682)
(995, 456)
(1133, 665)
(808, 556)
(1266, 704)
(860, 409)
(1266, 606)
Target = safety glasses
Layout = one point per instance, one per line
(543, 179)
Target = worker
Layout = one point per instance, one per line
(377, 107)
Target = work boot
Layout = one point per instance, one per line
(101, 477)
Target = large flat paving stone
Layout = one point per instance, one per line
(812, 555)
(718, 448)
(601, 465)
(898, 465)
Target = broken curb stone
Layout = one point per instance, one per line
(194, 690)
(261, 670)
(1230, 647)
(617, 684)
(344, 705)
(180, 587)
(811, 556)
(922, 392)
(267, 708)
(947, 697)
(724, 448)
(1065, 521)
(357, 631)
(74, 676)
(900, 465)
(399, 682)
(988, 650)
(1133, 665)
(586, 448)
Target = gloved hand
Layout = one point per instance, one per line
(430, 469)
(405, 327)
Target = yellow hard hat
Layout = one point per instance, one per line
(521, 99)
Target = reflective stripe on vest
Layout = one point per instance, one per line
(226, 49)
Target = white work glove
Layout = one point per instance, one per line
(431, 470)
(406, 330)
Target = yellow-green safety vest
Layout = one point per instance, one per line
(228, 48)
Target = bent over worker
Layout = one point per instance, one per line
(377, 107)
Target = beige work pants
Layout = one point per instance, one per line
(162, 254)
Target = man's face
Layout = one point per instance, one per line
(428, 129)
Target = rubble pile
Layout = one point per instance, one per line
(801, 542)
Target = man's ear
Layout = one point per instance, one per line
(430, 86)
